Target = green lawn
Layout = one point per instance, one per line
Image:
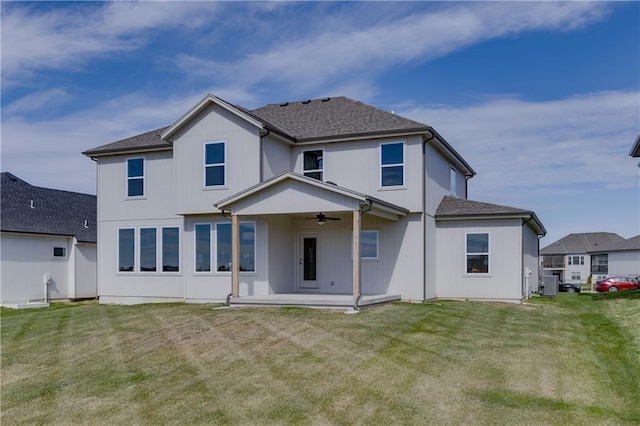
(573, 359)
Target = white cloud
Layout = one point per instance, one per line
(348, 49)
(67, 37)
(523, 150)
(48, 152)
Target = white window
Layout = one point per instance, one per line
(171, 249)
(453, 177)
(369, 244)
(477, 253)
(214, 164)
(575, 260)
(126, 250)
(313, 164)
(148, 252)
(392, 164)
(203, 247)
(135, 177)
(575, 275)
(247, 247)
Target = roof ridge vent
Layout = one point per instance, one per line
(284, 104)
(325, 99)
(307, 101)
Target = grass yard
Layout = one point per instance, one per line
(573, 359)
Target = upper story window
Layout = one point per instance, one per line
(575, 260)
(313, 164)
(214, 164)
(135, 177)
(600, 264)
(59, 252)
(477, 253)
(392, 164)
(453, 178)
(552, 261)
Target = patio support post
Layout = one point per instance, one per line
(356, 257)
(235, 255)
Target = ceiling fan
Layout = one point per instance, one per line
(321, 219)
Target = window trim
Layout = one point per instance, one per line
(383, 166)
(143, 177)
(195, 248)
(139, 244)
(160, 249)
(214, 255)
(205, 165)
(55, 246)
(320, 170)
(134, 268)
(377, 233)
(487, 253)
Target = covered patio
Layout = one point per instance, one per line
(291, 195)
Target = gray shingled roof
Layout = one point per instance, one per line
(581, 243)
(298, 121)
(54, 212)
(333, 117)
(635, 149)
(452, 208)
(632, 244)
(148, 140)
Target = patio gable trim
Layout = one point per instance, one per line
(344, 199)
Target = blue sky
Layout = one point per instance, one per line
(541, 98)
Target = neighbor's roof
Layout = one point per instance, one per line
(581, 243)
(632, 244)
(54, 212)
(304, 121)
(452, 208)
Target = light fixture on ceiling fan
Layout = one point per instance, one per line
(321, 219)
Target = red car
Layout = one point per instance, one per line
(617, 283)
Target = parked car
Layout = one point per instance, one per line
(569, 288)
(619, 282)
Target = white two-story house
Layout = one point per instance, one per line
(321, 202)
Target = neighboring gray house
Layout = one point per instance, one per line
(621, 258)
(570, 257)
(47, 244)
(323, 202)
